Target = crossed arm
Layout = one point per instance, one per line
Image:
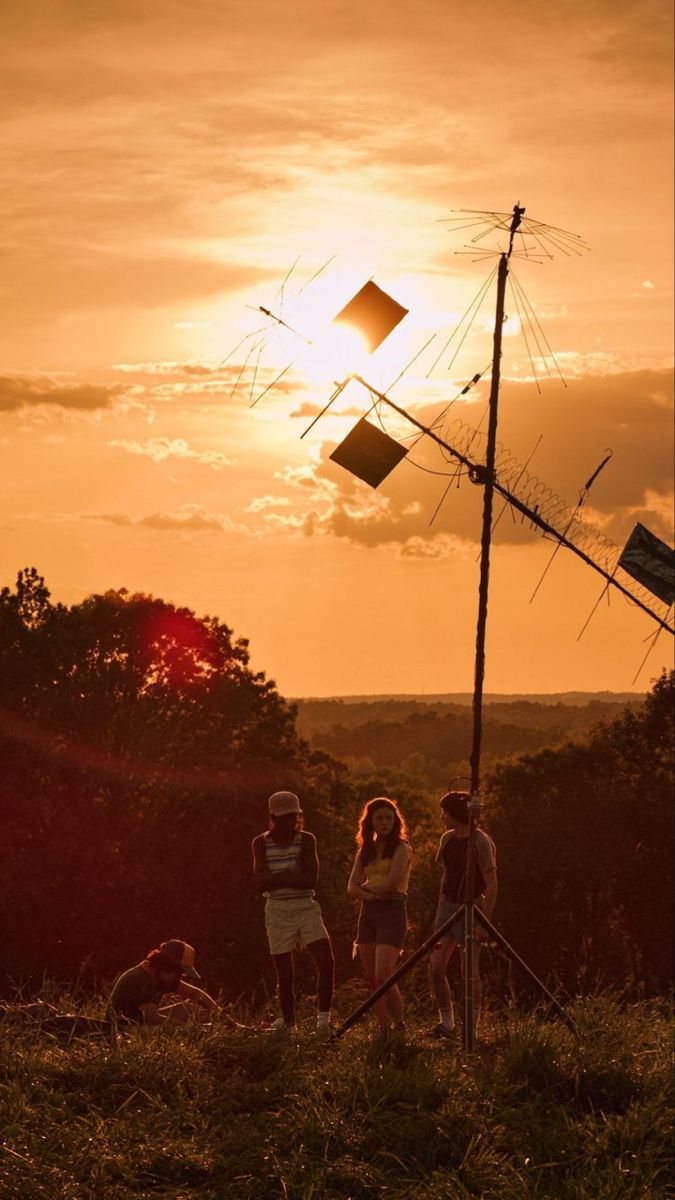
(304, 875)
(358, 890)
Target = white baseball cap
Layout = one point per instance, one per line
(282, 803)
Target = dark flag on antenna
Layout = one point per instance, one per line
(373, 313)
(368, 453)
(651, 562)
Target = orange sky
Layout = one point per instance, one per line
(165, 165)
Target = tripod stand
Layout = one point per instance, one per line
(471, 912)
(484, 475)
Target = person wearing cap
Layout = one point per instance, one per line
(451, 856)
(285, 870)
(139, 993)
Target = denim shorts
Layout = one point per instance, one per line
(383, 922)
(445, 909)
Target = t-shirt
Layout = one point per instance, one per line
(452, 857)
(134, 988)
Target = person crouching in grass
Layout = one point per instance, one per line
(285, 870)
(379, 879)
(139, 995)
(452, 855)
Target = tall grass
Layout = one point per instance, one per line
(226, 1113)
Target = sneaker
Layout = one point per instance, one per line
(324, 1033)
(280, 1026)
(441, 1032)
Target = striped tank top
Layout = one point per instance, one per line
(281, 858)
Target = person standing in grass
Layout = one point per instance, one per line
(285, 870)
(452, 855)
(139, 995)
(379, 879)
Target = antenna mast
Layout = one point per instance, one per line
(488, 481)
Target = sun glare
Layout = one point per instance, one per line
(340, 351)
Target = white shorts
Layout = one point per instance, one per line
(291, 923)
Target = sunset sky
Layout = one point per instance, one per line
(166, 164)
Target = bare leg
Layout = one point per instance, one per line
(367, 952)
(438, 976)
(283, 965)
(386, 961)
(322, 953)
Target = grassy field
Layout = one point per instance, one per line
(215, 1113)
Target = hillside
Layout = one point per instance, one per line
(210, 1114)
(431, 739)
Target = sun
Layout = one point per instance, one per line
(339, 351)
(346, 325)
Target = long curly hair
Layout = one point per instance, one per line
(365, 837)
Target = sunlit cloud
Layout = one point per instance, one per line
(442, 546)
(160, 448)
(572, 364)
(164, 368)
(189, 519)
(261, 503)
(635, 485)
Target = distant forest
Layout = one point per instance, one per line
(429, 741)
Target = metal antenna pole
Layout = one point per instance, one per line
(488, 479)
(479, 677)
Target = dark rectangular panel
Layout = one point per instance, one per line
(373, 313)
(651, 562)
(368, 453)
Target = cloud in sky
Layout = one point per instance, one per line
(158, 449)
(630, 414)
(165, 368)
(190, 519)
(22, 391)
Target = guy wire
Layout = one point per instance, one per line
(478, 299)
(525, 337)
(535, 319)
(519, 295)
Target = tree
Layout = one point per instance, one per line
(585, 839)
(137, 749)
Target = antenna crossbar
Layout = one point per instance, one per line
(477, 474)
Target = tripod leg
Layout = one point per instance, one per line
(397, 974)
(469, 1006)
(519, 962)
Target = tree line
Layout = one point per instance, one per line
(430, 742)
(137, 750)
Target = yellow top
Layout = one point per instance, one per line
(378, 870)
